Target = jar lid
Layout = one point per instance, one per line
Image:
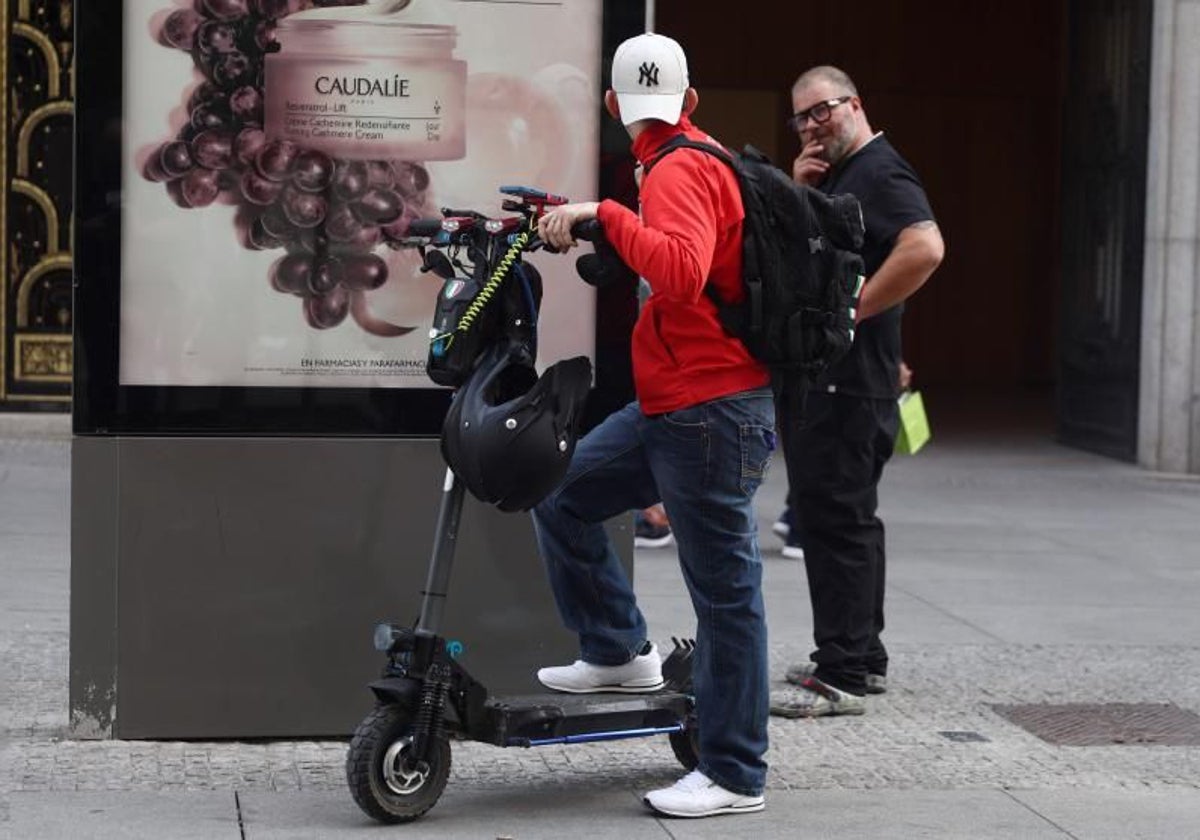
(379, 12)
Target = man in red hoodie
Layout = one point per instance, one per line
(698, 438)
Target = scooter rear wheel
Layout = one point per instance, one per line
(384, 781)
(686, 746)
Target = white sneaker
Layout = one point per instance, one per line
(781, 528)
(696, 795)
(792, 552)
(641, 674)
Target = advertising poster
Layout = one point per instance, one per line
(274, 148)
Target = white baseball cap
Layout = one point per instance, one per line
(650, 77)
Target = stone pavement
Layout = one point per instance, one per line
(1019, 572)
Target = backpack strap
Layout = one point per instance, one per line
(752, 313)
(682, 141)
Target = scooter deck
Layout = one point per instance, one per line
(537, 719)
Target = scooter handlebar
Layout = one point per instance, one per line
(589, 230)
(597, 269)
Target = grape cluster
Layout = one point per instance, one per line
(329, 215)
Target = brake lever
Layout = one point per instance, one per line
(536, 243)
(438, 263)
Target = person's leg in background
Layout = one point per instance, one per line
(789, 407)
(832, 470)
(652, 528)
(888, 417)
(787, 528)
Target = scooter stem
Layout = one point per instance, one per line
(433, 598)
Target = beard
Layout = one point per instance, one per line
(835, 147)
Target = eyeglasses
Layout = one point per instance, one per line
(819, 113)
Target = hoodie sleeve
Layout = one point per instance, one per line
(672, 245)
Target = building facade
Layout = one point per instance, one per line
(36, 109)
(1057, 140)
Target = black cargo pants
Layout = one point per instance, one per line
(835, 447)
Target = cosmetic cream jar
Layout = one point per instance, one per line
(372, 88)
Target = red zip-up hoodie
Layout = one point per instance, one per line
(689, 234)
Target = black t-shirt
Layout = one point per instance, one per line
(892, 199)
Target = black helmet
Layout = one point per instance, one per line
(509, 435)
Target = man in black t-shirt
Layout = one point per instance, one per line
(836, 450)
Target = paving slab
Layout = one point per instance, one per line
(1113, 624)
(895, 815)
(1118, 815)
(512, 812)
(35, 425)
(1010, 581)
(925, 534)
(120, 815)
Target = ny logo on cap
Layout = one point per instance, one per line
(648, 74)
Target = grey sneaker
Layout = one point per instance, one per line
(813, 698)
(641, 674)
(797, 674)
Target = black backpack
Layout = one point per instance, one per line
(802, 270)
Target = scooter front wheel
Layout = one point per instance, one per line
(384, 779)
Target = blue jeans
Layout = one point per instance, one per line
(705, 464)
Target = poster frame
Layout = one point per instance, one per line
(104, 406)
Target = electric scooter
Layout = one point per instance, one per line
(398, 761)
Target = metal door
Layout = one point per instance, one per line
(1104, 208)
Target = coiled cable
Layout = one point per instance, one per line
(489, 288)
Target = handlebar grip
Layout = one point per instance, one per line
(589, 230)
(424, 227)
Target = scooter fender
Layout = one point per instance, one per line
(404, 691)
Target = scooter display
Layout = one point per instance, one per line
(398, 760)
